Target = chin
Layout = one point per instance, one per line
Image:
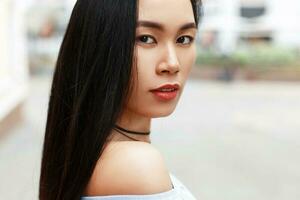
(161, 112)
(162, 115)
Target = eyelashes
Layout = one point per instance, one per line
(191, 39)
(182, 39)
(143, 39)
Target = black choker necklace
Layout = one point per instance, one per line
(132, 132)
(120, 129)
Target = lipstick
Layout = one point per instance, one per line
(166, 92)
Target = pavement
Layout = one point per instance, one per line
(225, 141)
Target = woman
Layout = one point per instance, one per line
(121, 63)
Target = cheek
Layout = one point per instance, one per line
(144, 80)
(188, 59)
(144, 72)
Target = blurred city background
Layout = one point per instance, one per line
(235, 132)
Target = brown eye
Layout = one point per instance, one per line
(186, 39)
(146, 39)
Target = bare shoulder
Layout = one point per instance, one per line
(129, 167)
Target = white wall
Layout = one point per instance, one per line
(281, 20)
(285, 20)
(13, 59)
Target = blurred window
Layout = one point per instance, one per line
(252, 8)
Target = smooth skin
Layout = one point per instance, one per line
(165, 54)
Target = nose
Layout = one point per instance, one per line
(170, 65)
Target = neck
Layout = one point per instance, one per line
(133, 122)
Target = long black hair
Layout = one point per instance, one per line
(91, 83)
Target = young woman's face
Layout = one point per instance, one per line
(165, 51)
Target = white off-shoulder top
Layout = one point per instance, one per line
(178, 192)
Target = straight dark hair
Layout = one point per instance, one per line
(91, 83)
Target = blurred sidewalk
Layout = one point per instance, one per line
(20, 148)
(224, 141)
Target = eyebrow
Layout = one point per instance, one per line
(160, 27)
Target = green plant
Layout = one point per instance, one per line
(256, 56)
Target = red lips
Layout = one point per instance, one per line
(167, 86)
(166, 92)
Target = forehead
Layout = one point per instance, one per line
(170, 13)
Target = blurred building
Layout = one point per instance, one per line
(31, 31)
(227, 23)
(13, 59)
